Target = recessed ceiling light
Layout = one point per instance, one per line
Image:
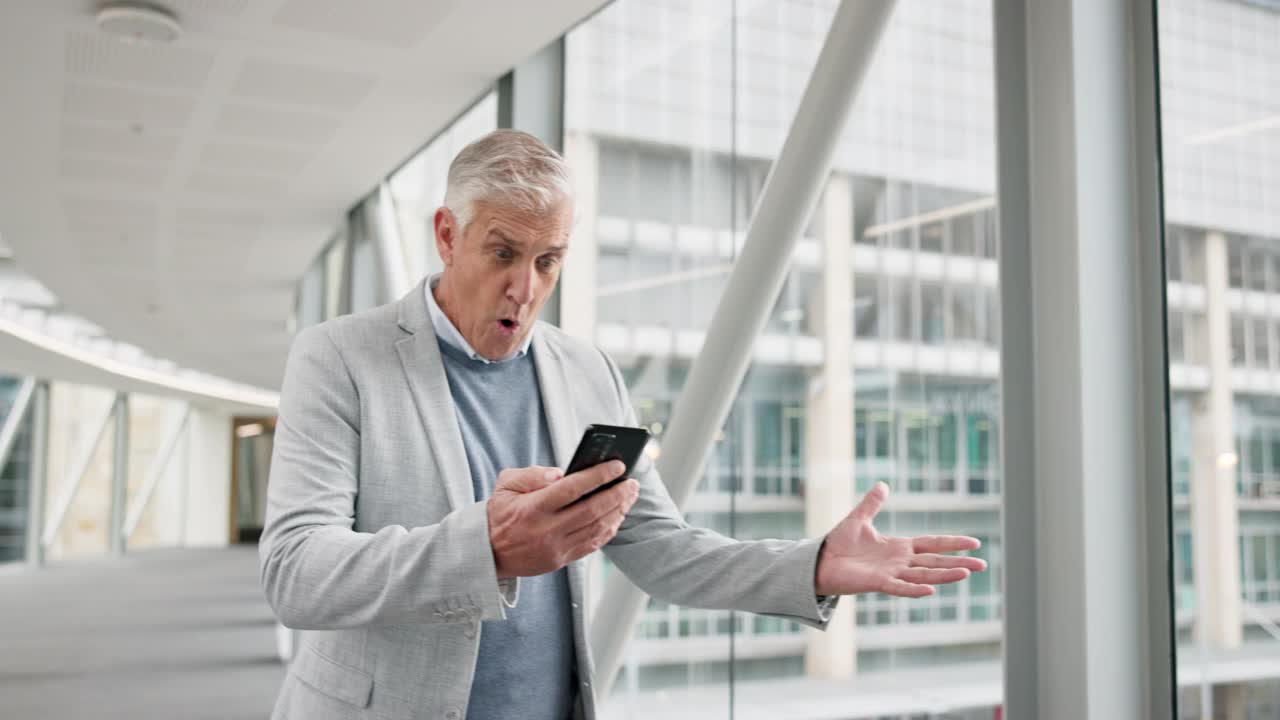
(139, 23)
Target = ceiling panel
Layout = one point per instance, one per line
(127, 107)
(397, 23)
(279, 82)
(273, 124)
(91, 168)
(106, 58)
(120, 141)
(254, 158)
(173, 194)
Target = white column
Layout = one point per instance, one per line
(208, 479)
(1214, 503)
(829, 421)
(578, 280)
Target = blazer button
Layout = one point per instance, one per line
(453, 714)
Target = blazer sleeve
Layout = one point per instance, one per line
(320, 574)
(696, 567)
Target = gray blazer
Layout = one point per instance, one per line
(376, 547)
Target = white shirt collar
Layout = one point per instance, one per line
(446, 331)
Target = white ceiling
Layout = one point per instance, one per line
(174, 194)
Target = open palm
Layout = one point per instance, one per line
(856, 558)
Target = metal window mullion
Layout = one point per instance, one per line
(37, 476)
(1078, 164)
(119, 476)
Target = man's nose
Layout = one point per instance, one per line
(520, 287)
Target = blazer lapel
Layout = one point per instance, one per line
(557, 404)
(424, 371)
(563, 424)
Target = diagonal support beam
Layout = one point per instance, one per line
(788, 198)
(76, 476)
(13, 421)
(157, 470)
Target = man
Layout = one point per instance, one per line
(418, 528)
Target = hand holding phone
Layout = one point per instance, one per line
(602, 443)
(541, 519)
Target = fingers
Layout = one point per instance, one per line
(871, 503)
(596, 535)
(944, 543)
(930, 560)
(580, 483)
(933, 576)
(527, 479)
(621, 497)
(606, 524)
(901, 588)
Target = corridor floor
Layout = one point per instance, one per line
(155, 634)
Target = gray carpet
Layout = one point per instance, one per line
(156, 634)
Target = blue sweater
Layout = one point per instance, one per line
(526, 668)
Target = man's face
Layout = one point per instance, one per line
(500, 271)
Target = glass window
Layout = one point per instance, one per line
(933, 323)
(964, 313)
(963, 241)
(1256, 269)
(903, 306)
(335, 277)
(1239, 354)
(1177, 345)
(866, 305)
(1221, 165)
(1235, 262)
(417, 187)
(1173, 254)
(662, 105)
(1261, 342)
(15, 477)
(931, 237)
(366, 285)
(310, 299)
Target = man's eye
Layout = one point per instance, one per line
(503, 254)
(547, 263)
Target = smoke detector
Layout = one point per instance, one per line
(137, 23)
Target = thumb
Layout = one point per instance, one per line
(528, 479)
(867, 510)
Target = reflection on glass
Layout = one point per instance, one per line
(674, 112)
(1219, 71)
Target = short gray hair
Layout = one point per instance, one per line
(506, 167)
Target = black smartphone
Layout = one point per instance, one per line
(601, 443)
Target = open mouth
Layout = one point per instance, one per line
(509, 325)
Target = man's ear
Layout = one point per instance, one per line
(447, 235)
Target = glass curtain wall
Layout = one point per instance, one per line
(346, 275)
(1220, 111)
(15, 475)
(417, 188)
(674, 114)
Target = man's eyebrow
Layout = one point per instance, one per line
(505, 238)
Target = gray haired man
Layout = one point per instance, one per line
(418, 527)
